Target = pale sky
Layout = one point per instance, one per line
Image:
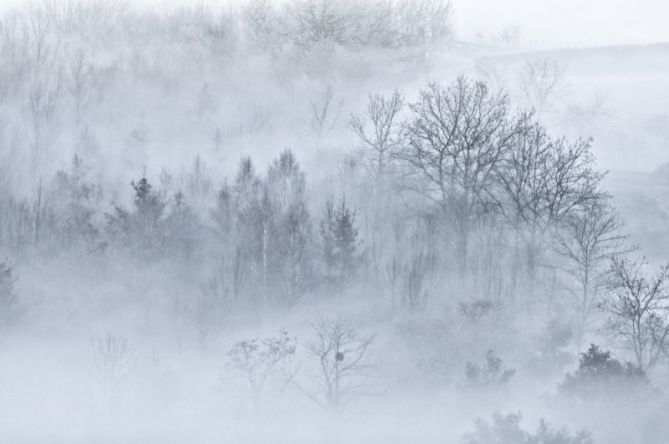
(559, 23)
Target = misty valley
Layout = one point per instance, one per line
(327, 221)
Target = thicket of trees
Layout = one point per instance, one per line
(315, 25)
(460, 205)
(67, 66)
(461, 190)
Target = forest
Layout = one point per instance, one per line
(324, 221)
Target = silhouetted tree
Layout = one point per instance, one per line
(638, 309)
(344, 362)
(263, 362)
(339, 236)
(378, 130)
(587, 240)
(542, 181)
(455, 139)
(141, 229)
(598, 374)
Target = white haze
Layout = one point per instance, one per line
(567, 23)
(185, 195)
(547, 23)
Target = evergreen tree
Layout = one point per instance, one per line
(599, 374)
(345, 236)
(142, 230)
(339, 236)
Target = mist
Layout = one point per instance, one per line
(336, 221)
(570, 23)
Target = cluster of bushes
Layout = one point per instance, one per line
(599, 377)
(505, 429)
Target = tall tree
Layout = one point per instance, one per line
(542, 181)
(291, 257)
(587, 241)
(76, 199)
(141, 229)
(638, 309)
(379, 132)
(456, 137)
(339, 235)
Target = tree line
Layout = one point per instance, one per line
(454, 197)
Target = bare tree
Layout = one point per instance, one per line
(45, 79)
(262, 361)
(523, 176)
(456, 138)
(225, 288)
(343, 355)
(378, 131)
(542, 181)
(321, 24)
(324, 112)
(43, 105)
(424, 22)
(541, 83)
(546, 178)
(310, 24)
(416, 280)
(638, 310)
(40, 25)
(587, 241)
(80, 84)
(261, 18)
(16, 61)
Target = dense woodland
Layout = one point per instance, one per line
(288, 222)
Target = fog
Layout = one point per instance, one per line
(566, 23)
(336, 221)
